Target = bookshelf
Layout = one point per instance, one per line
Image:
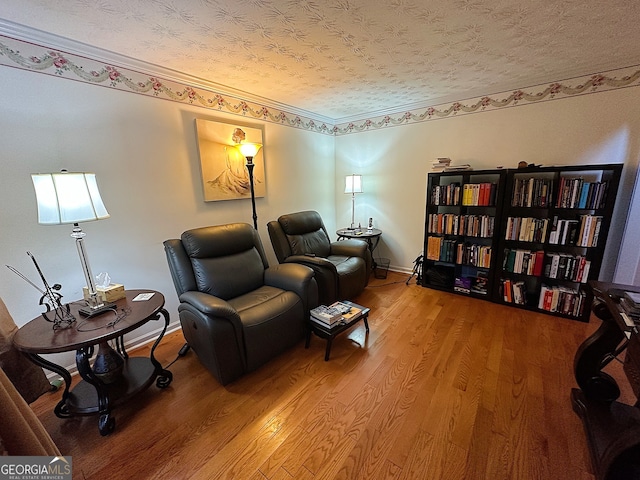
(545, 232)
(463, 216)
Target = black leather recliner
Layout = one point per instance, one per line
(237, 312)
(341, 268)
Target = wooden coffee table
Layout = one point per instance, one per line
(330, 333)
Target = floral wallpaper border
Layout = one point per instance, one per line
(615, 79)
(30, 56)
(37, 58)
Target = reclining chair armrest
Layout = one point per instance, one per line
(353, 247)
(295, 278)
(211, 306)
(311, 261)
(350, 248)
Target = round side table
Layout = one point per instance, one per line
(98, 392)
(371, 236)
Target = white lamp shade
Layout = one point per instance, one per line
(353, 184)
(68, 198)
(249, 149)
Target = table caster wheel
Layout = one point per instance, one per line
(164, 379)
(106, 424)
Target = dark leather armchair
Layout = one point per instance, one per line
(237, 312)
(341, 268)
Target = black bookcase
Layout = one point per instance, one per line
(463, 218)
(550, 227)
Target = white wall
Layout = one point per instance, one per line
(144, 152)
(591, 129)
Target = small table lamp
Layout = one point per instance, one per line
(65, 198)
(353, 185)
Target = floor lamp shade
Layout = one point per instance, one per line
(68, 198)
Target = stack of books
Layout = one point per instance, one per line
(630, 304)
(337, 313)
(458, 168)
(440, 164)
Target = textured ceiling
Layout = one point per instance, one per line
(347, 58)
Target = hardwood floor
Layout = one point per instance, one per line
(443, 387)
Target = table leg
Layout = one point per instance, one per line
(164, 376)
(61, 409)
(328, 349)
(106, 423)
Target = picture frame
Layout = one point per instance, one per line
(222, 166)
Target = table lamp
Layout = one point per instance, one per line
(65, 198)
(353, 185)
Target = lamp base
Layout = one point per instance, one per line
(91, 312)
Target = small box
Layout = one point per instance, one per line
(113, 292)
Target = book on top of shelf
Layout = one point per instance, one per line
(457, 168)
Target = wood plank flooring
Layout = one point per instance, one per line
(443, 387)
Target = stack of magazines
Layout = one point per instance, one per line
(335, 314)
(630, 303)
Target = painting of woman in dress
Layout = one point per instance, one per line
(224, 174)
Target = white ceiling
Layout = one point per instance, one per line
(348, 58)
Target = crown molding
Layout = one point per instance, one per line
(89, 52)
(65, 58)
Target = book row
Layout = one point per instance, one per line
(467, 225)
(452, 251)
(561, 266)
(479, 194)
(478, 284)
(582, 233)
(562, 300)
(523, 262)
(526, 229)
(532, 192)
(554, 299)
(564, 266)
(469, 194)
(576, 193)
(572, 193)
(514, 291)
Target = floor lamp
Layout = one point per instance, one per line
(353, 185)
(250, 150)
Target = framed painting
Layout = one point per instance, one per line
(224, 172)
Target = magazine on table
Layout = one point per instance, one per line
(334, 313)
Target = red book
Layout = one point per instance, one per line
(539, 261)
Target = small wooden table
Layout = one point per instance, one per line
(93, 395)
(329, 333)
(372, 236)
(612, 427)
